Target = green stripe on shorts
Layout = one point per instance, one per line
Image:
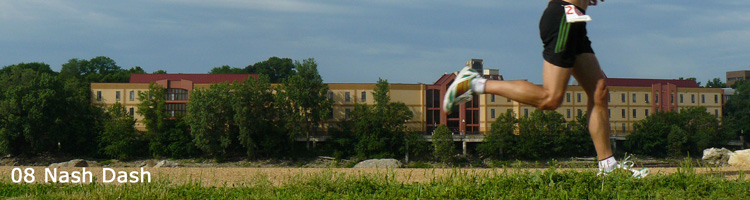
(562, 35)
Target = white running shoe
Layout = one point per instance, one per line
(460, 90)
(626, 164)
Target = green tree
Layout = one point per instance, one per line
(211, 119)
(676, 134)
(33, 66)
(303, 101)
(537, 134)
(119, 139)
(255, 118)
(168, 136)
(416, 146)
(715, 83)
(161, 71)
(500, 141)
(27, 99)
(343, 139)
(676, 141)
(226, 69)
(380, 129)
(277, 69)
(41, 113)
(650, 135)
(578, 140)
(737, 119)
(442, 139)
(98, 69)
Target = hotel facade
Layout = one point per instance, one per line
(631, 100)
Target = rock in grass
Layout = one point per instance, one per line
(147, 163)
(740, 158)
(379, 163)
(165, 163)
(71, 163)
(716, 157)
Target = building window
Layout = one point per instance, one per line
(716, 112)
(177, 94)
(176, 109)
(609, 113)
(330, 114)
(330, 95)
(364, 96)
(492, 98)
(656, 98)
(623, 97)
(646, 113)
(680, 98)
(132, 95)
(526, 112)
(634, 98)
(634, 113)
(623, 113)
(703, 98)
(99, 95)
(492, 113)
(623, 127)
(671, 98)
(117, 96)
(692, 98)
(348, 113)
(567, 97)
(716, 98)
(568, 113)
(347, 97)
(579, 97)
(132, 112)
(646, 99)
(580, 113)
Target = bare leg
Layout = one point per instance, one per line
(591, 77)
(547, 97)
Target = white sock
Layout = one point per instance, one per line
(607, 165)
(477, 84)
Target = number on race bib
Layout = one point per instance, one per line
(570, 10)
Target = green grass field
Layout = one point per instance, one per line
(511, 184)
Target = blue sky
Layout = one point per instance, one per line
(404, 41)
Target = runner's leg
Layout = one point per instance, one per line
(547, 97)
(591, 77)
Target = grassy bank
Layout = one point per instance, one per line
(329, 184)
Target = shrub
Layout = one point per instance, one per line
(442, 140)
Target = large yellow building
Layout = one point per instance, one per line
(631, 100)
(178, 88)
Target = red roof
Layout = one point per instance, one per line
(634, 82)
(195, 78)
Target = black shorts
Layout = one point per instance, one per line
(563, 41)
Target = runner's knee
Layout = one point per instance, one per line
(601, 94)
(551, 102)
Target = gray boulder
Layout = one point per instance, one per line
(716, 157)
(71, 163)
(379, 163)
(147, 163)
(165, 163)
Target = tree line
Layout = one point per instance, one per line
(43, 111)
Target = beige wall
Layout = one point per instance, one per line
(410, 94)
(109, 92)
